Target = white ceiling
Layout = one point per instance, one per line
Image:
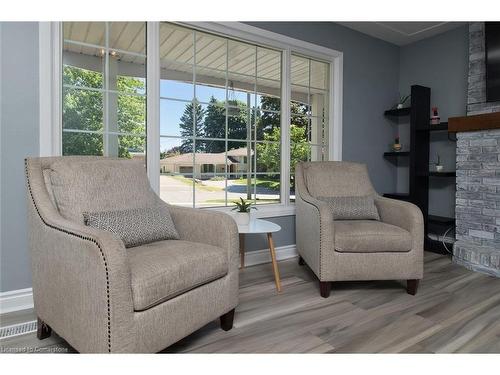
(402, 33)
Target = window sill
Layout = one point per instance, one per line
(264, 211)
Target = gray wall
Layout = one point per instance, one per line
(440, 63)
(19, 139)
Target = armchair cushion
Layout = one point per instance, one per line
(136, 226)
(165, 269)
(92, 185)
(368, 236)
(352, 208)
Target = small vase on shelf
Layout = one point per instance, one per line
(396, 146)
(435, 119)
(439, 167)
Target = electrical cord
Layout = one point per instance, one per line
(444, 243)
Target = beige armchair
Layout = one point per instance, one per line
(343, 250)
(100, 296)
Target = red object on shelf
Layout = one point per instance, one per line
(435, 119)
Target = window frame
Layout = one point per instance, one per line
(50, 93)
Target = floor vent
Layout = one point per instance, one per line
(17, 329)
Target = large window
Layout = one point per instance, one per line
(220, 112)
(104, 89)
(228, 118)
(308, 112)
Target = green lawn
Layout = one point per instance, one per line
(271, 184)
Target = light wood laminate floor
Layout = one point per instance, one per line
(455, 310)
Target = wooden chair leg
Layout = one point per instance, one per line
(412, 286)
(324, 288)
(301, 261)
(226, 320)
(43, 330)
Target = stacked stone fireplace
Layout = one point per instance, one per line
(478, 173)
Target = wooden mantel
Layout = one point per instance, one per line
(474, 123)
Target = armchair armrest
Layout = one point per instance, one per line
(314, 229)
(81, 281)
(210, 227)
(323, 210)
(404, 215)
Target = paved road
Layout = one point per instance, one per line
(178, 192)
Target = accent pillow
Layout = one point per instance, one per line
(352, 208)
(135, 226)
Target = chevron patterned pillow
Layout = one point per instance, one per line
(352, 208)
(136, 226)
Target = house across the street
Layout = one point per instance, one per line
(207, 165)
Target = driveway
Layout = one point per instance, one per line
(179, 192)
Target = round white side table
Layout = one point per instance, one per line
(257, 226)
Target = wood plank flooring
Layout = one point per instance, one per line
(455, 310)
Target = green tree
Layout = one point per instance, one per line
(269, 117)
(268, 127)
(299, 148)
(83, 110)
(269, 153)
(214, 124)
(193, 114)
(238, 120)
(131, 115)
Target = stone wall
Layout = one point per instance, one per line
(478, 174)
(478, 201)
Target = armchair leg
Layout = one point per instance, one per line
(324, 288)
(226, 320)
(43, 330)
(412, 286)
(301, 261)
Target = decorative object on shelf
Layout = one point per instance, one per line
(242, 214)
(435, 119)
(396, 146)
(402, 101)
(439, 167)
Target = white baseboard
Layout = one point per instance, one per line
(253, 258)
(16, 300)
(22, 299)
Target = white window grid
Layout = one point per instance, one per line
(106, 133)
(251, 140)
(50, 67)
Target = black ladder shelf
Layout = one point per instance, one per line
(418, 155)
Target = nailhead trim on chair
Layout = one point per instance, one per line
(320, 236)
(319, 220)
(83, 238)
